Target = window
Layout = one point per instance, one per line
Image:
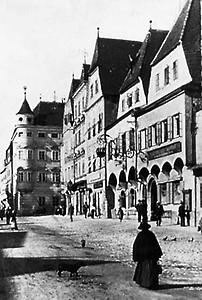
(123, 105)
(20, 119)
(20, 176)
(91, 91)
(166, 76)
(110, 149)
(83, 103)
(142, 139)
(132, 139)
(201, 195)
(29, 133)
(30, 154)
(100, 122)
(42, 155)
(83, 167)
(41, 201)
(96, 86)
(20, 133)
(157, 82)
(29, 120)
(20, 154)
(177, 195)
(176, 125)
(75, 111)
(41, 177)
(89, 132)
(164, 193)
(56, 155)
(129, 99)
(137, 95)
(56, 177)
(79, 108)
(154, 135)
(175, 70)
(89, 164)
(54, 135)
(123, 142)
(29, 176)
(94, 127)
(94, 163)
(164, 131)
(41, 134)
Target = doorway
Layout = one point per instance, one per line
(153, 199)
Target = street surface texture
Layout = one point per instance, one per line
(29, 260)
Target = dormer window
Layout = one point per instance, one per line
(123, 105)
(175, 70)
(96, 86)
(129, 99)
(166, 76)
(20, 119)
(137, 95)
(157, 82)
(91, 91)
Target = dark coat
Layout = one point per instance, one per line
(146, 246)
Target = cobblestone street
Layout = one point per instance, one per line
(29, 272)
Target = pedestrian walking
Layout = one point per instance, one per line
(71, 211)
(14, 225)
(146, 252)
(159, 211)
(181, 213)
(187, 212)
(8, 215)
(139, 210)
(120, 214)
(144, 211)
(85, 209)
(93, 210)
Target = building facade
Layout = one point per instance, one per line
(32, 161)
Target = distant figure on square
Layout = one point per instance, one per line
(139, 210)
(144, 211)
(187, 212)
(71, 211)
(8, 215)
(14, 225)
(181, 213)
(159, 211)
(146, 252)
(85, 209)
(120, 214)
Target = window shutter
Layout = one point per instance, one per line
(159, 134)
(170, 128)
(180, 120)
(139, 141)
(149, 136)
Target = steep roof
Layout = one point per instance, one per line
(112, 56)
(49, 113)
(186, 30)
(140, 67)
(25, 109)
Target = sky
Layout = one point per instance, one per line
(43, 43)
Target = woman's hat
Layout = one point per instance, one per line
(144, 226)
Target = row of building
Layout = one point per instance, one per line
(129, 129)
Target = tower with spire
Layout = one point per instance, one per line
(25, 115)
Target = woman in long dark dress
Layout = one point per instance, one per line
(146, 252)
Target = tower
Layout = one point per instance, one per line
(25, 116)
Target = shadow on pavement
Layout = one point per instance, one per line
(21, 265)
(12, 239)
(178, 286)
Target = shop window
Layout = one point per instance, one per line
(176, 192)
(20, 176)
(41, 201)
(164, 193)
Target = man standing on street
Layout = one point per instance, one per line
(71, 211)
(181, 212)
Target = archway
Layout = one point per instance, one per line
(122, 199)
(112, 180)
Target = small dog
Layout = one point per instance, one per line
(71, 267)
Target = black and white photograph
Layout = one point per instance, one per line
(101, 149)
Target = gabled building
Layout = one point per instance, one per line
(33, 158)
(122, 147)
(167, 166)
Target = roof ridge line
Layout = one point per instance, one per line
(185, 20)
